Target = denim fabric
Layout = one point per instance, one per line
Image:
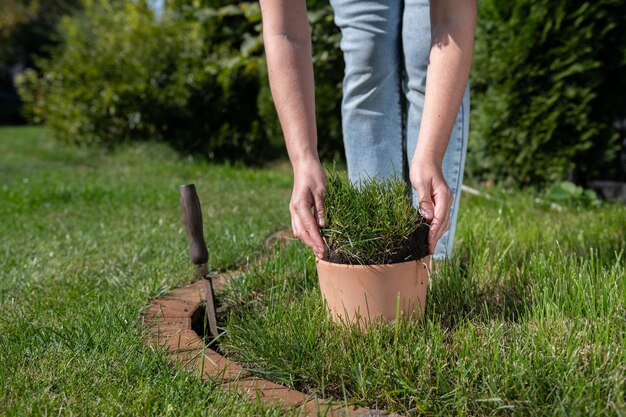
(386, 44)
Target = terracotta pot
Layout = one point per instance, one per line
(366, 293)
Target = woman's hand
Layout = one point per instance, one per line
(307, 204)
(452, 25)
(434, 194)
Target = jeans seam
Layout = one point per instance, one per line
(459, 172)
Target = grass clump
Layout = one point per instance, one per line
(372, 222)
(526, 319)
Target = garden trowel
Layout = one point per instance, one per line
(192, 217)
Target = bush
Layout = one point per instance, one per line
(548, 84)
(372, 222)
(124, 74)
(569, 193)
(549, 79)
(27, 29)
(194, 77)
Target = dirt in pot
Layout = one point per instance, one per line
(372, 221)
(413, 248)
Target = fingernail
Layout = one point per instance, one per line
(425, 213)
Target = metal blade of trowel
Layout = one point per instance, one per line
(192, 217)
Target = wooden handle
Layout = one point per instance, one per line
(192, 217)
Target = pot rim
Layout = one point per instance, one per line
(423, 261)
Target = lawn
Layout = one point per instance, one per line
(529, 318)
(88, 238)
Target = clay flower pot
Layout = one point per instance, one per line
(363, 294)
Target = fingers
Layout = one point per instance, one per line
(306, 228)
(441, 219)
(426, 206)
(433, 239)
(294, 228)
(427, 210)
(435, 196)
(320, 214)
(307, 204)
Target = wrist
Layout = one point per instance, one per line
(305, 161)
(427, 156)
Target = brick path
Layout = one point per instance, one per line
(168, 322)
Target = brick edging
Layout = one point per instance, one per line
(168, 324)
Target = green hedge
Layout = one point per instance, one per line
(194, 77)
(125, 74)
(548, 84)
(549, 81)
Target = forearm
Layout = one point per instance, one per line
(290, 68)
(452, 24)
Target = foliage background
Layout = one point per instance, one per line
(549, 81)
(125, 74)
(27, 29)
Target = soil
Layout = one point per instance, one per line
(416, 248)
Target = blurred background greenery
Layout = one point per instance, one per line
(549, 82)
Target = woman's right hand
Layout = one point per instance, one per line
(307, 204)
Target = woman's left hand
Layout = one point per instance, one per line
(435, 197)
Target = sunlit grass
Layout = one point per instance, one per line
(529, 318)
(88, 238)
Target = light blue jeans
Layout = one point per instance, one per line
(386, 44)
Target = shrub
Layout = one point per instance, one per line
(549, 79)
(372, 222)
(569, 193)
(124, 74)
(194, 77)
(548, 83)
(27, 29)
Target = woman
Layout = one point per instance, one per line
(394, 50)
